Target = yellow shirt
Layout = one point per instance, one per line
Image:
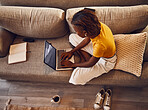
(103, 44)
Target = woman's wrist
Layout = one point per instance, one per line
(72, 51)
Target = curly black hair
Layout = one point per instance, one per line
(88, 21)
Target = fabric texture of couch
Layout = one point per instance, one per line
(35, 70)
(6, 39)
(34, 22)
(65, 4)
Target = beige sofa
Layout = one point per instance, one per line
(34, 69)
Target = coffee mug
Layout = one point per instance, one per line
(55, 99)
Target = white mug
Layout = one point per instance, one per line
(55, 99)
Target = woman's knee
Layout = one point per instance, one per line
(75, 39)
(71, 38)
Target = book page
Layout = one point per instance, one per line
(19, 57)
(17, 48)
(17, 53)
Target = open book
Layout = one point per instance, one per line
(17, 53)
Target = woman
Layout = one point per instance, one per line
(95, 44)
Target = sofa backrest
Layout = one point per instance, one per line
(121, 19)
(36, 22)
(65, 4)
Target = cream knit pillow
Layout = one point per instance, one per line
(130, 50)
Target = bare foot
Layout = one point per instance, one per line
(85, 55)
(81, 57)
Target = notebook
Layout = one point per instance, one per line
(52, 57)
(17, 53)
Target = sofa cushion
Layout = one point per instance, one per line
(119, 19)
(65, 4)
(6, 38)
(33, 22)
(130, 50)
(35, 70)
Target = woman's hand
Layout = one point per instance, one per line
(66, 55)
(66, 64)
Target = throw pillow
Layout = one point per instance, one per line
(120, 19)
(130, 50)
(146, 49)
(35, 22)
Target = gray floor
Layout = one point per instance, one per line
(39, 94)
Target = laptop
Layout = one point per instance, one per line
(52, 57)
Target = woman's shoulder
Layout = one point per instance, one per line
(104, 27)
(103, 24)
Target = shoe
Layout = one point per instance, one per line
(99, 99)
(107, 100)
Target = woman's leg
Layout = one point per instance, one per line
(81, 76)
(84, 53)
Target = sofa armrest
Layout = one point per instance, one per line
(6, 39)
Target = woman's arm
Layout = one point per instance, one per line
(78, 47)
(82, 44)
(91, 62)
